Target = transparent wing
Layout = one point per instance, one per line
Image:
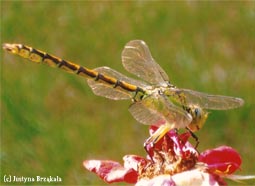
(137, 59)
(102, 88)
(156, 108)
(207, 101)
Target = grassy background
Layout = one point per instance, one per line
(51, 121)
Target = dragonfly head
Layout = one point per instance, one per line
(199, 117)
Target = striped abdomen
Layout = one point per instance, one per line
(113, 87)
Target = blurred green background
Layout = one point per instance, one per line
(51, 121)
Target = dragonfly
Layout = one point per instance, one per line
(155, 101)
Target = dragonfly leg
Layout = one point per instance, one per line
(155, 137)
(193, 136)
(160, 132)
(139, 94)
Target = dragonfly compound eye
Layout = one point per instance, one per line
(198, 112)
(199, 117)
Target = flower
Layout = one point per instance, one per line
(171, 161)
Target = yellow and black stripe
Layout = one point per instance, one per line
(38, 56)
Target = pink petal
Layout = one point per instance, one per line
(162, 180)
(101, 167)
(132, 161)
(122, 175)
(111, 171)
(194, 177)
(184, 137)
(221, 160)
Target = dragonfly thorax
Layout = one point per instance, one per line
(199, 117)
(159, 90)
